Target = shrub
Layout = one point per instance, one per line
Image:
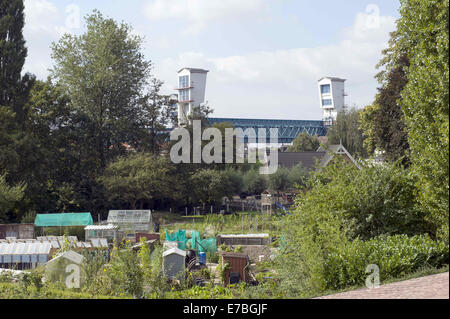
(395, 256)
(344, 203)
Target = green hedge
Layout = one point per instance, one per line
(395, 256)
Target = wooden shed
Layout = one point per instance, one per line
(19, 231)
(238, 267)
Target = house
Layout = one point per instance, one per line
(322, 157)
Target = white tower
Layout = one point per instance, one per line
(191, 91)
(332, 98)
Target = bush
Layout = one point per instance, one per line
(344, 203)
(395, 256)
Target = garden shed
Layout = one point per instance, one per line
(237, 269)
(174, 263)
(132, 221)
(66, 267)
(21, 231)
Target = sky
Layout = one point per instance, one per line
(264, 56)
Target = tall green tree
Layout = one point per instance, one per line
(383, 122)
(104, 73)
(425, 101)
(9, 195)
(14, 88)
(138, 178)
(156, 117)
(347, 131)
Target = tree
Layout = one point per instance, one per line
(304, 142)
(210, 186)
(9, 195)
(383, 122)
(14, 88)
(156, 116)
(343, 204)
(104, 73)
(139, 177)
(280, 180)
(423, 26)
(254, 182)
(348, 132)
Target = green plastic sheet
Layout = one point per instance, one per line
(63, 219)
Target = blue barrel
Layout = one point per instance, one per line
(202, 258)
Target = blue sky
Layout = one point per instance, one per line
(264, 56)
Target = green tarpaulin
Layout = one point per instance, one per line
(64, 219)
(195, 242)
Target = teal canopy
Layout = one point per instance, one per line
(196, 242)
(63, 219)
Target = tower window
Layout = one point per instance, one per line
(184, 81)
(327, 102)
(184, 95)
(326, 88)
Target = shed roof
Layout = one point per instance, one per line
(307, 159)
(245, 236)
(35, 248)
(101, 227)
(174, 251)
(233, 255)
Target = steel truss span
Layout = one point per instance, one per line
(288, 130)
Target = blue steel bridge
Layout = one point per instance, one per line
(288, 130)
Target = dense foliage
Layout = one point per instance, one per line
(383, 121)
(425, 101)
(304, 142)
(347, 131)
(344, 204)
(395, 256)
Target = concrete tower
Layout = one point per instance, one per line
(191, 91)
(332, 98)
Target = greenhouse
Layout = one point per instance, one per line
(63, 219)
(107, 232)
(131, 220)
(24, 255)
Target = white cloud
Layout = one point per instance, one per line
(200, 13)
(283, 83)
(42, 17)
(44, 23)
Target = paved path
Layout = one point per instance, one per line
(429, 287)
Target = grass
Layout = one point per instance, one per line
(18, 291)
(244, 222)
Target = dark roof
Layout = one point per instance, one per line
(307, 159)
